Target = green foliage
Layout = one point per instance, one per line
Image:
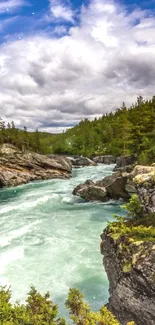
(134, 207)
(40, 310)
(140, 229)
(133, 239)
(123, 132)
(80, 312)
(5, 306)
(33, 141)
(105, 317)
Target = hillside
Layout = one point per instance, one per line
(123, 132)
(36, 141)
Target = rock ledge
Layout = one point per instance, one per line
(18, 168)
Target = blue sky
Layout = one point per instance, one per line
(61, 61)
(19, 18)
(29, 17)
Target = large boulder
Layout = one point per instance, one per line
(122, 185)
(81, 161)
(89, 191)
(117, 188)
(107, 159)
(18, 168)
(142, 170)
(125, 163)
(108, 180)
(110, 187)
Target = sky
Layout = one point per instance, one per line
(62, 61)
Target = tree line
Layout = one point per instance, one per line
(125, 131)
(32, 141)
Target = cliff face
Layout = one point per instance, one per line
(144, 182)
(130, 269)
(129, 255)
(20, 168)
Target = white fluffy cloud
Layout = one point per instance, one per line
(61, 11)
(50, 83)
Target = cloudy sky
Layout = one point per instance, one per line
(63, 60)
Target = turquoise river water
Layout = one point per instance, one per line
(51, 239)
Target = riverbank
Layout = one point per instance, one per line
(17, 167)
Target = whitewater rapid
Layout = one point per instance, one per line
(51, 239)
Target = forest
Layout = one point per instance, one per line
(126, 131)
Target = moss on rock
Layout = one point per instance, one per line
(133, 240)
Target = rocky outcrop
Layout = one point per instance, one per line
(142, 170)
(129, 255)
(20, 168)
(144, 181)
(125, 163)
(107, 159)
(140, 181)
(90, 191)
(129, 261)
(78, 162)
(110, 187)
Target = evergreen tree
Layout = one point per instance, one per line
(123, 132)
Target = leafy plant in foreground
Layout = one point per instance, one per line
(40, 310)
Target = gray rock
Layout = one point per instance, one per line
(20, 168)
(117, 189)
(93, 193)
(90, 191)
(106, 181)
(132, 292)
(130, 187)
(107, 159)
(111, 187)
(142, 170)
(146, 193)
(143, 178)
(123, 185)
(125, 163)
(81, 162)
(127, 168)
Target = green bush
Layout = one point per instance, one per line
(143, 231)
(40, 310)
(134, 207)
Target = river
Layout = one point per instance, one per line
(51, 239)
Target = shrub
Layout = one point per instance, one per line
(142, 229)
(134, 207)
(40, 310)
